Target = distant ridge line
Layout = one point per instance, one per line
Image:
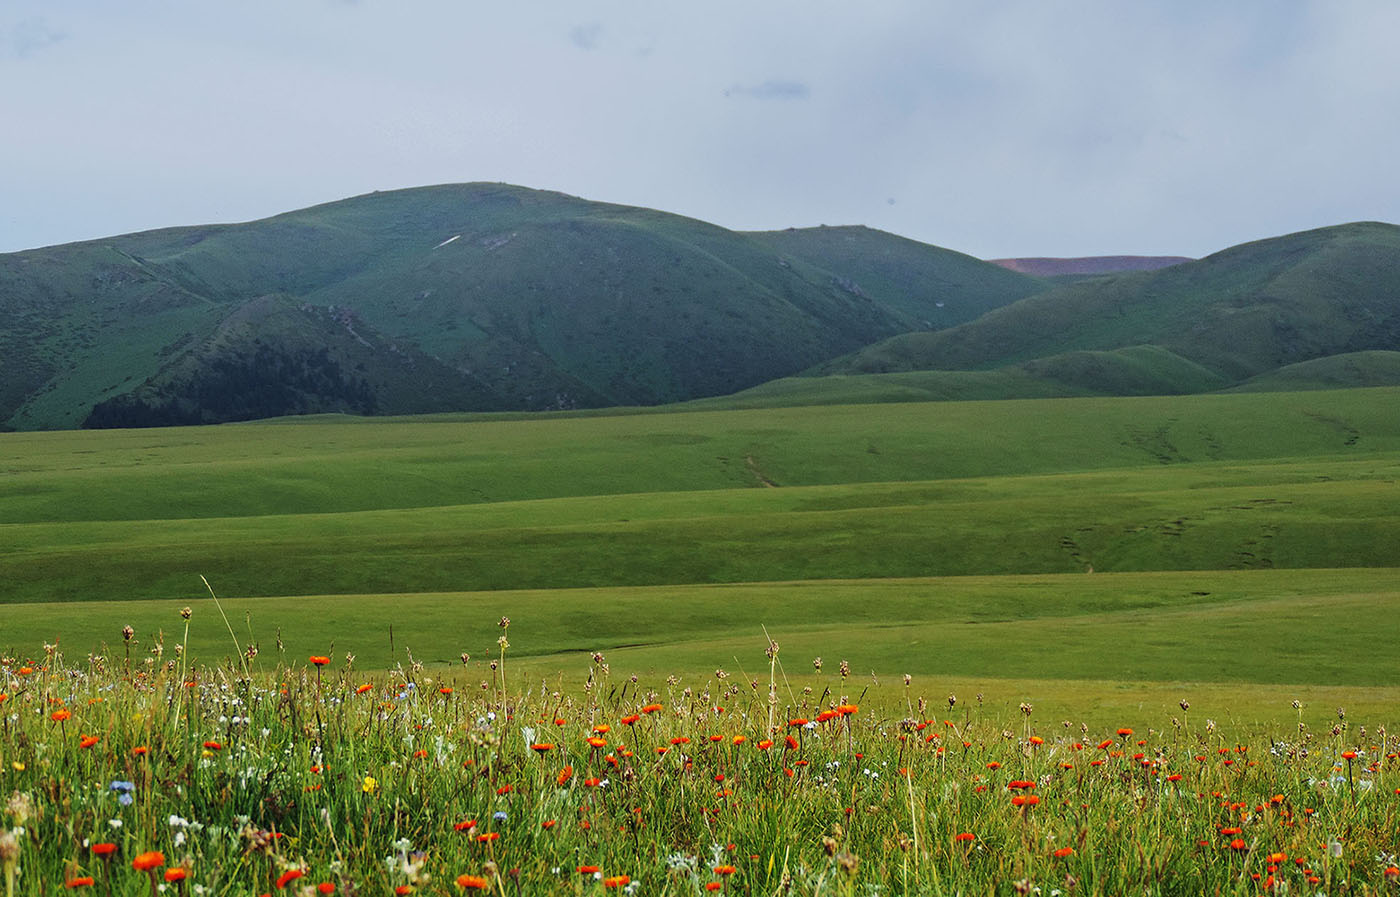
(1093, 264)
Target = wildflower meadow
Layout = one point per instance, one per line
(135, 775)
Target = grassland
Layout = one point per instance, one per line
(1246, 541)
(1168, 620)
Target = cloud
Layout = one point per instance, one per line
(586, 36)
(31, 36)
(771, 90)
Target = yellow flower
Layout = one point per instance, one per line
(371, 785)
(19, 767)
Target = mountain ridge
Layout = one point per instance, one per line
(542, 300)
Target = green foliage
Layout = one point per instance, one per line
(331, 779)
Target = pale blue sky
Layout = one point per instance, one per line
(994, 128)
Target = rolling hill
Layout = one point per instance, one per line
(458, 297)
(1235, 315)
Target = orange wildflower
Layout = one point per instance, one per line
(148, 860)
(287, 877)
(82, 881)
(616, 881)
(88, 741)
(59, 716)
(541, 747)
(318, 660)
(176, 873)
(472, 883)
(105, 848)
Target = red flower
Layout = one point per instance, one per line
(148, 860)
(287, 877)
(319, 660)
(104, 848)
(1063, 852)
(81, 881)
(587, 870)
(964, 836)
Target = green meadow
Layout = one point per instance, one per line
(1098, 556)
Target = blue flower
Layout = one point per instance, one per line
(123, 790)
(500, 816)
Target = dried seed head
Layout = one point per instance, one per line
(1026, 708)
(847, 863)
(829, 845)
(907, 679)
(597, 656)
(465, 658)
(1185, 705)
(845, 669)
(127, 633)
(952, 699)
(186, 613)
(817, 664)
(505, 622)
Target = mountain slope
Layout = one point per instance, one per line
(528, 299)
(1239, 313)
(938, 287)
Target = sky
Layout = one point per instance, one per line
(1015, 128)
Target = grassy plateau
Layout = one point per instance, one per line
(1074, 645)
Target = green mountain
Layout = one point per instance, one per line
(459, 297)
(1222, 320)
